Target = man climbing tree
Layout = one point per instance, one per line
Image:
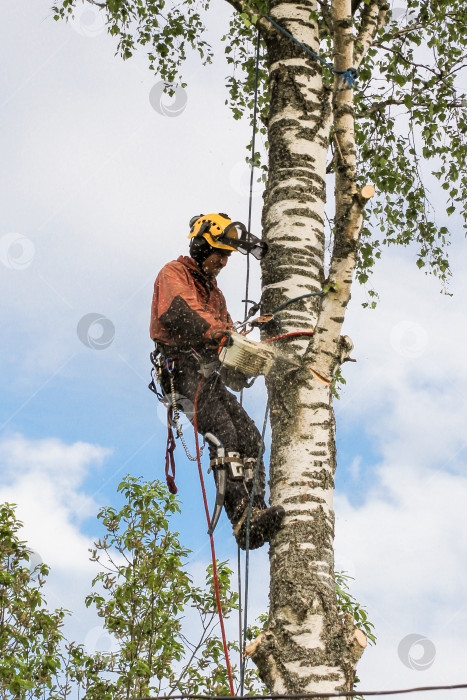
(189, 318)
(345, 89)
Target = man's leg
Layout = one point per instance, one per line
(213, 416)
(220, 413)
(250, 444)
(264, 521)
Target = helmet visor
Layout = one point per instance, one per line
(236, 236)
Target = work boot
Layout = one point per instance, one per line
(264, 523)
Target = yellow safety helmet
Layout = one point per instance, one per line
(212, 227)
(221, 232)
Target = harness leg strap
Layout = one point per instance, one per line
(231, 462)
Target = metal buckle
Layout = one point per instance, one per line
(235, 464)
(249, 464)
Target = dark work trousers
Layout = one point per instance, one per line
(219, 413)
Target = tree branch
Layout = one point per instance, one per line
(355, 216)
(372, 19)
(262, 24)
(204, 635)
(326, 15)
(379, 107)
(405, 60)
(415, 27)
(341, 271)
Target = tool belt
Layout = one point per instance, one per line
(171, 357)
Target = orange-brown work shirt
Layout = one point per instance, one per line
(187, 307)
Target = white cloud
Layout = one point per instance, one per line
(407, 549)
(45, 479)
(405, 542)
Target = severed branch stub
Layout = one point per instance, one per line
(365, 194)
(360, 638)
(357, 645)
(356, 639)
(252, 646)
(355, 216)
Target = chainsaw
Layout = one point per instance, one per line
(249, 357)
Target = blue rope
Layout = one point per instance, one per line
(247, 544)
(349, 76)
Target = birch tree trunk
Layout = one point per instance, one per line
(307, 647)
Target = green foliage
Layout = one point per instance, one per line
(410, 112)
(350, 609)
(411, 122)
(168, 30)
(30, 635)
(142, 593)
(338, 381)
(240, 51)
(347, 605)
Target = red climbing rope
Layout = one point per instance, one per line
(213, 551)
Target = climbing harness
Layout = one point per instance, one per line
(169, 456)
(173, 414)
(349, 76)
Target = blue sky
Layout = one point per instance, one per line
(96, 191)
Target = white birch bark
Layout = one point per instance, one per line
(307, 647)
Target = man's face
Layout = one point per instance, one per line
(215, 262)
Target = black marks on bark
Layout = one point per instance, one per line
(297, 173)
(322, 478)
(296, 192)
(344, 247)
(303, 498)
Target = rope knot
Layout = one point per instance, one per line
(349, 76)
(171, 484)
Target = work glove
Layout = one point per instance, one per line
(221, 338)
